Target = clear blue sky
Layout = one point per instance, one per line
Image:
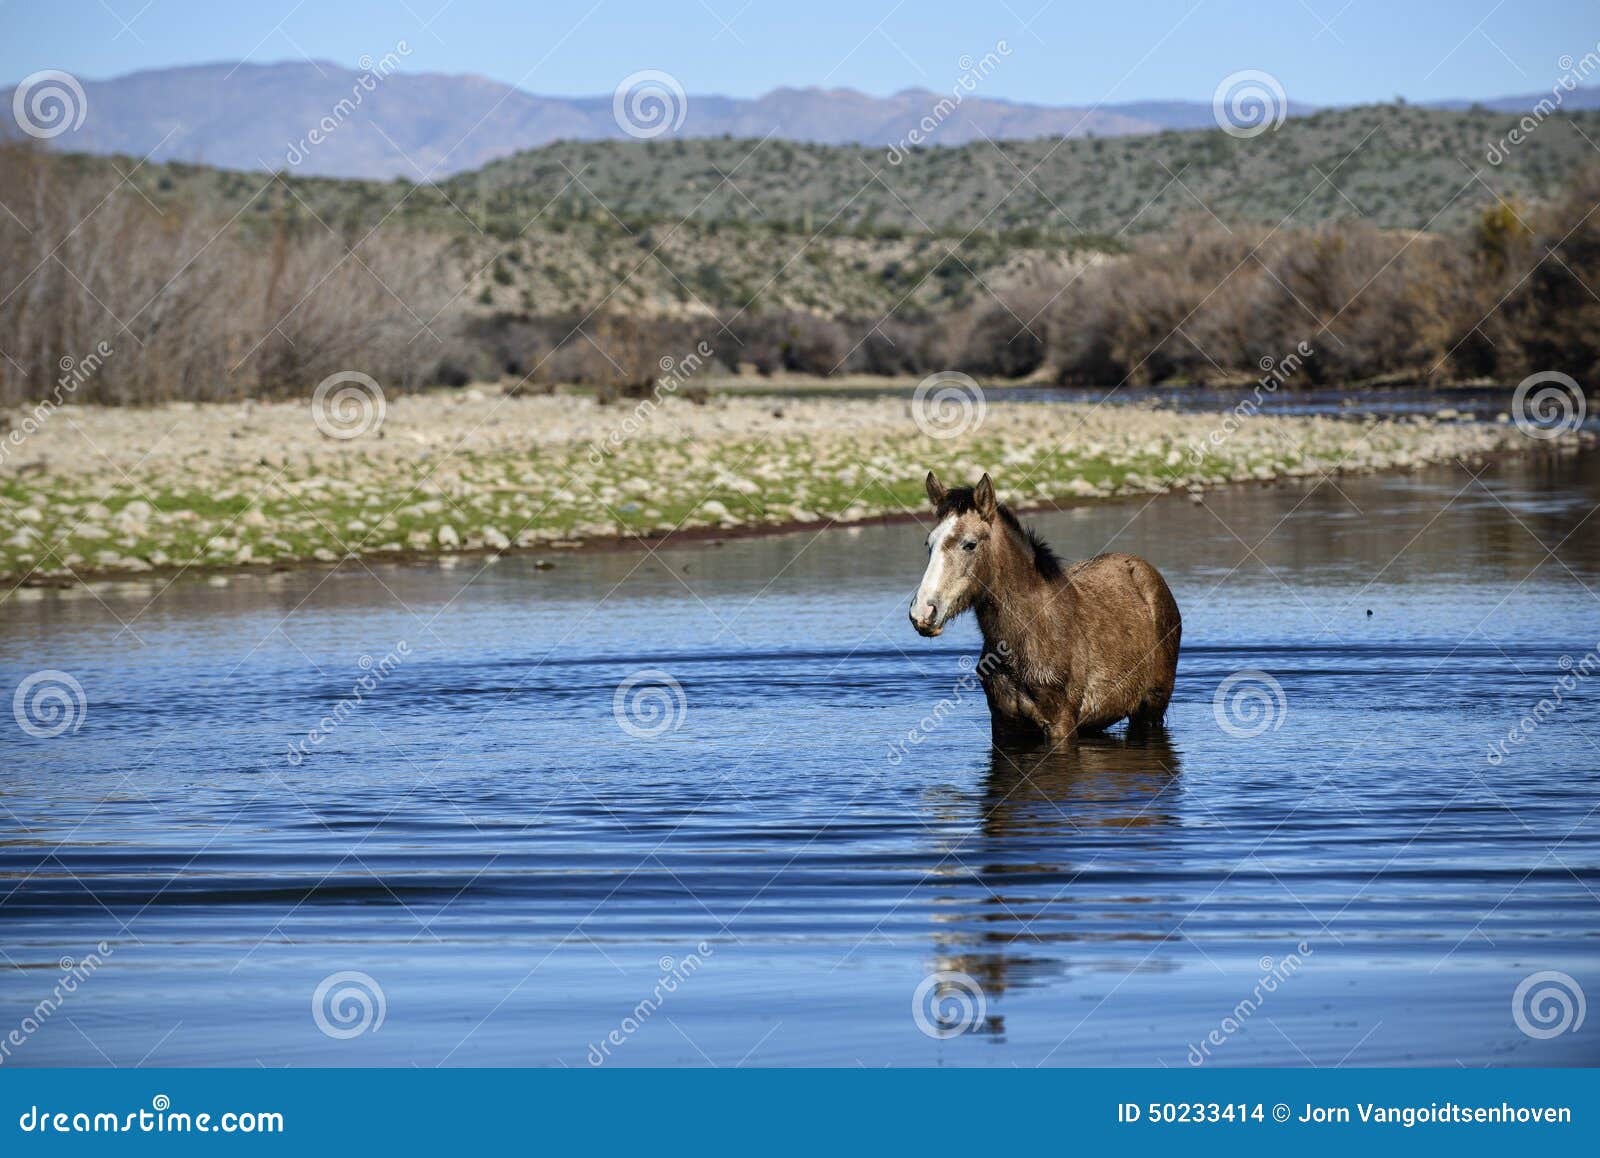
(1063, 52)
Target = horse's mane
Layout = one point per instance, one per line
(959, 500)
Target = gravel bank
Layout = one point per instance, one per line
(92, 491)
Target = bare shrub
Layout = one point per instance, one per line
(1211, 305)
(792, 340)
(1134, 319)
(997, 340)
(1372, 302)
(195, 305)
(201, 305)
(891, 346)
(812, 344)
(1548, 319)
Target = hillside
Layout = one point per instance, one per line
(687, 226)
(429, 126)
(1399, 167)
(1172, 256)
(432, 125)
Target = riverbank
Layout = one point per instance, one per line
(92, 491)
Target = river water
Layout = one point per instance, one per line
(792, 842)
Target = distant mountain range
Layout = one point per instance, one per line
(429, 126)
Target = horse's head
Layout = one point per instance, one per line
(959, 550)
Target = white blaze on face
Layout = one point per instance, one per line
(928, 593)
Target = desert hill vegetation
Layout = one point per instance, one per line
(1396, 166)
(1380, 236)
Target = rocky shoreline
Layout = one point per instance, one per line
(89, 492)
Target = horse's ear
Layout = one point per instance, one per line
(983, 497)
(936, 489)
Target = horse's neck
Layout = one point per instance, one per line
(1023, 611)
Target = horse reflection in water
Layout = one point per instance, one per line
(1047, 814)
(1101, 781)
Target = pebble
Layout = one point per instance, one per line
(524, 473)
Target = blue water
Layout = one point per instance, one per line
(482, 853)
(1459, 403)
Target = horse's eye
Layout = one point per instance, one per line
(970, 545)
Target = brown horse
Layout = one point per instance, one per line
(1068, 649)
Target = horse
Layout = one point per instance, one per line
(1069, 649)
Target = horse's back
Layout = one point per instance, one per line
(1116, 573)
(1129, 592)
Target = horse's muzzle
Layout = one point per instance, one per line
(926, 627)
